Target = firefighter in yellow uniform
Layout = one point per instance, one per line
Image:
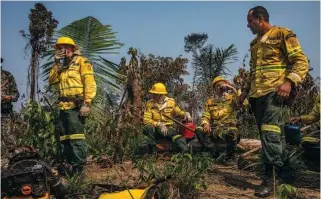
(277, 65)
(218, 124)
(74, 77)
(156, 124)
(313, 116)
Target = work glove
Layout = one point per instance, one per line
(163, 128)
(188, 117)
(84, 110)
(295, 120)
(60, 54)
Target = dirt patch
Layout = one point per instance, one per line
(224, 182)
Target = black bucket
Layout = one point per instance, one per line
(292, 134)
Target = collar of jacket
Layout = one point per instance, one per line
(164, 105)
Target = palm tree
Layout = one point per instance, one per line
(94, 40)
(193, 43)
(212, 62)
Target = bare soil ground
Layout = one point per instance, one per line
(224, 182)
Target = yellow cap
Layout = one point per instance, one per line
(158, 88)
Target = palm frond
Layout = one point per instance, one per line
(211, 62)
(94, 40)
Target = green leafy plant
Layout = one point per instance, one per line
(186, 174)
(40, 130)
(78, 188)
(286, 191)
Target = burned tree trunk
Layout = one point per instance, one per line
(134, 87)
(33, 72)
(131, 104)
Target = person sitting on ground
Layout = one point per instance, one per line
(313, 116)
(156, 124)
(218, 123)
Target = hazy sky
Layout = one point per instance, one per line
(160, 27)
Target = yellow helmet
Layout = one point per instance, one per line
(158, 88)
(65, 40)
(217, 79)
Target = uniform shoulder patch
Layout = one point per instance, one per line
(293, 41)
(88, 63)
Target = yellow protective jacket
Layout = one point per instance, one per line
(77, 79)
(155, 112)
(314, 115)
(221, 112)
(275, 56)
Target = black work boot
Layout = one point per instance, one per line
(266, 187)
(214, 154)
(152, 149)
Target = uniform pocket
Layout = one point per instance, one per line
(276, 42)
(272, 48)
(270, 75)
(73, 73)
(168, 110)
(273, 138)
(155, 115)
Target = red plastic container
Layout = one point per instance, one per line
(187, 133)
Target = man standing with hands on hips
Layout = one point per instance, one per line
(277, 65)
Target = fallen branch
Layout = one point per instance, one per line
(178, 122)
(305, 128)
(244, 155)
(248, 144)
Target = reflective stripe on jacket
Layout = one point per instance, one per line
(73, 137)
(154, 112)
(77, 79)
(221, 112)
(275, 56)
(314, 115)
